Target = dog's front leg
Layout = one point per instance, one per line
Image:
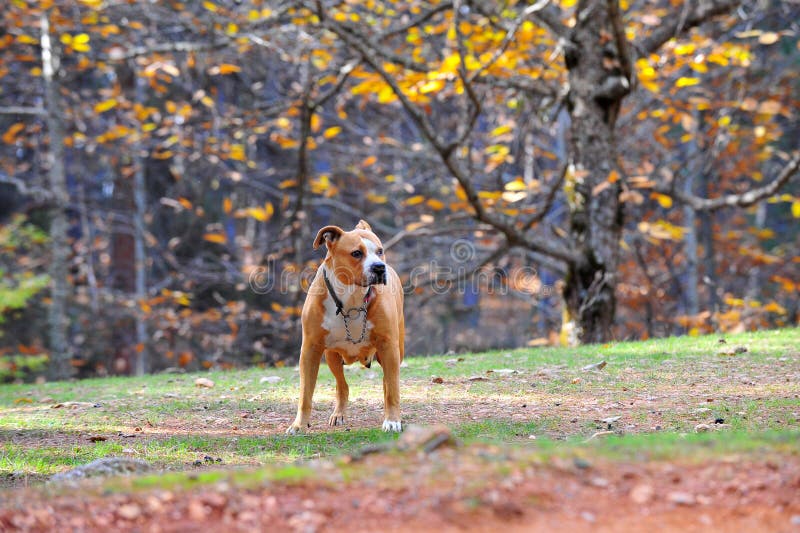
(310, 358)
(390, 363)
(336, 364)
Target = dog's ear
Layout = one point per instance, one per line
(362, 224)
(328, 235)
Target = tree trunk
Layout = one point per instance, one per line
(141, 363)
(597, 88)
(57, 313)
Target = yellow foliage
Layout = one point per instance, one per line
(218, 238)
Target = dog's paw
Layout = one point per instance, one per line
(294, 429)
(336, 419)
(392, 425)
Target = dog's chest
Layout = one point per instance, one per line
(337, 333)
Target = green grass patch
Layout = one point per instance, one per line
(660, 388)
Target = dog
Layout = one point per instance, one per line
(353, 312)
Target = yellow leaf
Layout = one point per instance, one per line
(369, 161)
(316, 123)
(210, 6)
(227, 68)
(516, 185)
(796, 209)
(218, 238)
(258, 214)
(81, 38)
(500, 130)
(490, 195)
(332, 132)
(207, 101)
(227, 206)
(105, 105)
(11, 134)
(237, 152)
(613, 176)
(414, 200)
(686, 82)
(435, 204)
(662, 199)
(698, 67)
(685, 49)
(285, 184)
(185, 202)
(377, 198)
(432, 86)
(386, 95)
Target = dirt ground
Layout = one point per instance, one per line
(474, 488)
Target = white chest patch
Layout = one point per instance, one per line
(335, 325)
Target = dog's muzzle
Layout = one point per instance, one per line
(378, 274)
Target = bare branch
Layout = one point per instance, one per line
(512, 235)
(672, 25)
(416, 21)
(744, 199)
(181, 46)
(22, 110)
(24, 189)
(620, 39)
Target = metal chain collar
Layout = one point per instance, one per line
(346, 317)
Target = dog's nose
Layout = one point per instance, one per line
(378, 269)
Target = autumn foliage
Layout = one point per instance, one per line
(205, 142)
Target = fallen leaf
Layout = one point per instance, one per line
(437, 379)
(97, 438)
(269, 379)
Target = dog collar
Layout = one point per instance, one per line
(338, 302)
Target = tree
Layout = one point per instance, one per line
(478, 55)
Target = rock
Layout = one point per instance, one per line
(107, 466)
(476, 378)
(502, 371)
(681, 498)
(702, 428)
(270, 379)
(596, 366)
(203, 382)
(426, 438)
(129, 511)
(610, 419)
(641, 493)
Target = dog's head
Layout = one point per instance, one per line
(354, 257)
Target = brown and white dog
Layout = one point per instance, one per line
(353, 312)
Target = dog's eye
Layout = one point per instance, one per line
(380, 251)
(357, 254)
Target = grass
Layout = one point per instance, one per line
(661, 389)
